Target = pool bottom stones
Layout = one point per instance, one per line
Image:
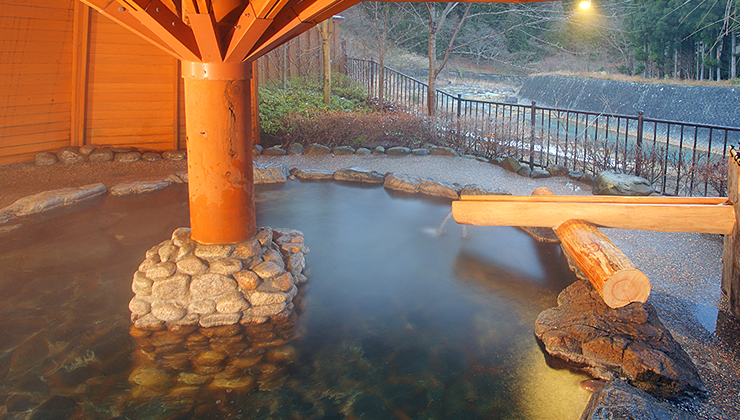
(184, 283)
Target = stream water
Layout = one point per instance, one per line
(395, 322)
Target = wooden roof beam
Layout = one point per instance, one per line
(246, 33)
(206, 36)
(167, 26)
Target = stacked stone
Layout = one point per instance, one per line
(183, 361)
(182, 282)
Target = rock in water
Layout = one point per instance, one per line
(619, 400)
(628, 343)
(613, 183)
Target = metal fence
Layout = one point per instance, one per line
(678, 158)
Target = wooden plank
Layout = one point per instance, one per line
(731, 250)
(655, 217)
(36, 118)
(26, 140)
(9, 132)
(604, 199)
(80, 43)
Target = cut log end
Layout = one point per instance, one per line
(625, 287)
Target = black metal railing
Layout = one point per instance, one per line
(678, 158)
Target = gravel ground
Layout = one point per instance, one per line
(685, 269)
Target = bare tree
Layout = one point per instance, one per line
(325, 30)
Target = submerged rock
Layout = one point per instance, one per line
(619, 400)
(628, 343)
(613, 183)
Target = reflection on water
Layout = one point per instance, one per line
(393, 323)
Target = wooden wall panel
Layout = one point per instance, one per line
(132, 90)
(35, 77)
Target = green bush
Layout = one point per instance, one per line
(304, 98)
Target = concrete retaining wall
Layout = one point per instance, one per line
(703, 105)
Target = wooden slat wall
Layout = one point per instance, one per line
(132, 90)
(35, 77)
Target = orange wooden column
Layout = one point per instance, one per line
(218, 126)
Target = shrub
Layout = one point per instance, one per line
(304, 98)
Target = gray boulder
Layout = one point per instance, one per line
(270, 173)
(557, 170)
(511, 164)
(151, 157)
(101, 155)
(619, 400)
(69, 155)
(313, 174)
(363, 151)
(274, 151)
(316, 149)
(401, 182)
(174, 154)
(295, 149)
(138, 187)
(127, 157)
(49, 200)
(87, 149)
(443, 151)
(257, 150)
(540, 173)
(524, 171)
(628, 343)
(439, 189)
(358, 174)
(46, 159)
(343, 150)
(420, 152)
(613, 183)
(474, 189)
(380, 150)
(398, 151)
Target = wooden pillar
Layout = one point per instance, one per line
(218, 127)
(731, 252)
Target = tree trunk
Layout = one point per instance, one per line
(645, 48)
(432, 51)
(701, 74)
(326, 59)
(719, 54)
(675, 63)
(733, 59)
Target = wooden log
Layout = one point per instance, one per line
(613, 275)
(550, 211)
(542, 234)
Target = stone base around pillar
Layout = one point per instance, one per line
(185, 283)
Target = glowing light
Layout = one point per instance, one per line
(585, 4)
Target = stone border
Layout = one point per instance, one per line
(267, 173)
(69, 155)
(508, 163)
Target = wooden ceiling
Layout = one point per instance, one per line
(223, 30)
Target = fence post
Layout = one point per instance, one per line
(531, 140)
(372, 77)
(638, 157)
(459, 113)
